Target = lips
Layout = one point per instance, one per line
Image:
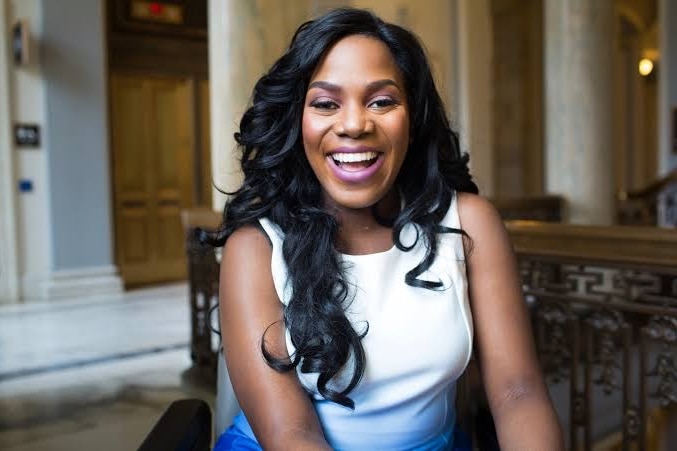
(354, 161)
(354, 165)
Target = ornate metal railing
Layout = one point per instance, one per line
(203, 281)
(604, 311)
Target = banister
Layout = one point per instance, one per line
(648, 247)
(653, 188)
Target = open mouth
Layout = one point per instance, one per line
(356, 161)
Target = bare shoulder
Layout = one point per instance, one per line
(246, 274)
(246, 244)
(248, 236)
(478, 216)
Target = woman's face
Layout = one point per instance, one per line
(356, 122)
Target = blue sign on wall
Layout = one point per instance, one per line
(25, 186)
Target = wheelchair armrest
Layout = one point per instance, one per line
(185, 426)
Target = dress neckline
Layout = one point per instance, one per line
(372, 255)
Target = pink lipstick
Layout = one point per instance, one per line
(354, 164)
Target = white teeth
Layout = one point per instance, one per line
(354, 157)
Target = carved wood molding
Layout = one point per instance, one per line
(620, 246)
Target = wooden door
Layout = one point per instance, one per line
(205, 162)
(153, 152)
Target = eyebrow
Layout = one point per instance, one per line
(371, 86)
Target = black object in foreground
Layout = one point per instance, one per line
(185, 426)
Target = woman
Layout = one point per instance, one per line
(354, 253)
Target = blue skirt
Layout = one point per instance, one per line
(239, 436)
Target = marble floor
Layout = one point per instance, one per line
(93, 374)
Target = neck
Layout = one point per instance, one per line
(360, 232)
(364, 218)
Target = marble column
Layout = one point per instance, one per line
(245, 38)
(474, 83)
(579, 108)
(9, 265)
(667, 88)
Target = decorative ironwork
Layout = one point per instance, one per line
(538, 275)
(607, 323)
(666, 372)
(203, 274)
(553, 341)
(618, 304)
(632, 423)
(578, 409)
(663, 329)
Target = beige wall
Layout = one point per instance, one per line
(517, 70)
(474, 41)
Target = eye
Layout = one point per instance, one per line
(324, 104)
(382, 103)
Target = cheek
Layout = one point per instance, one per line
(398, 130)
(311, 131)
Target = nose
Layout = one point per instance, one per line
(354, 121)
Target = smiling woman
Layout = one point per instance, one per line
(350, 300)
(356, 123)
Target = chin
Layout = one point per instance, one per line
(355, 200)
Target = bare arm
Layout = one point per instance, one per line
(518, 397)
(276, 406)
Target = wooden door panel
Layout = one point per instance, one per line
(169, 232)
(129, 137)
(130, 163)
(165, 106)
(134, 235)
(174, 154)
(152, 130)
(173, 122)
(169, 193)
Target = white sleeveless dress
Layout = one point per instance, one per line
(418, 344)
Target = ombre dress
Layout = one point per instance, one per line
(419, 343)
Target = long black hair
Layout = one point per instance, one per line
(280, 185)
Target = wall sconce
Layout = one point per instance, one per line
(646, 67)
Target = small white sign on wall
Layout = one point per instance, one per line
(27, 135)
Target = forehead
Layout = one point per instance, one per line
(358, 59)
